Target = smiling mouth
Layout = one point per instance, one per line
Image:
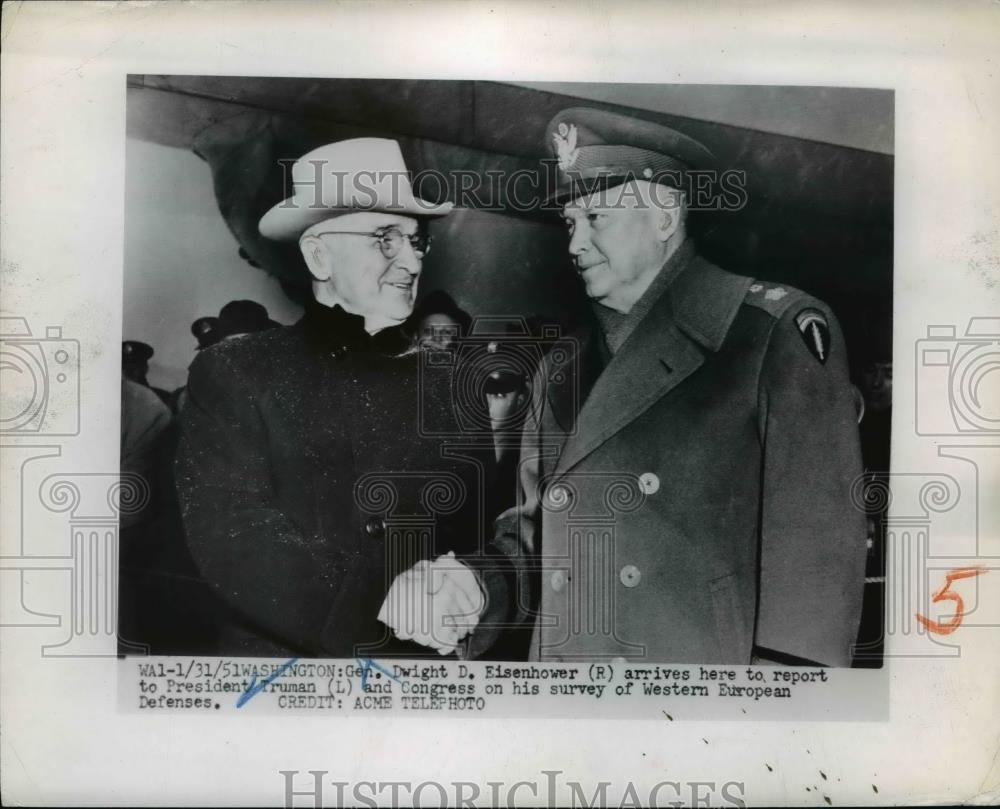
(589, 267)
(405, 286)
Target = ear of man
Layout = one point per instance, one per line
(317, 257)
(668, 209)
(664, 223)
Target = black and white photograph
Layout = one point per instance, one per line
(467, 403)
(520, 372)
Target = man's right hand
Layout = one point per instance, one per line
(434, 603)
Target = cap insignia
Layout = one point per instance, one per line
(566, 149)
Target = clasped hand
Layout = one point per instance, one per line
(434, 603)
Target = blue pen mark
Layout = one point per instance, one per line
(367, 664)
(255, 688)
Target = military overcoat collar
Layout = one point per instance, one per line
(689, 320)
(705, 300)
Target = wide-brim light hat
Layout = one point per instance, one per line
(361, 174)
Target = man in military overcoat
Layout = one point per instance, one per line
(686, 473)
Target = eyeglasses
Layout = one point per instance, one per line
(390, 240)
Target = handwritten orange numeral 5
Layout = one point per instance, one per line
(944, 594)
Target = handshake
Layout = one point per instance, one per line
(434, 603)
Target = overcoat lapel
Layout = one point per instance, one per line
(656, 358)
(669, 345)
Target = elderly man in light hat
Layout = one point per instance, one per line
(305, 482)
(687, 474)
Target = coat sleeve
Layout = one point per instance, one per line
(812, 537)
(289, 584)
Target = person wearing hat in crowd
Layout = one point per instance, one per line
(305, 480)
(135, 366)
(237, 318)
(206, 331)
(687, 472)
(439, 322)
(506, 390)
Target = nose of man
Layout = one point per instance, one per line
(408, 259)
(411, 255)
(579, 241)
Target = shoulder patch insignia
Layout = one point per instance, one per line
(815, 333)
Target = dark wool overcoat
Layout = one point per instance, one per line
(312, 469)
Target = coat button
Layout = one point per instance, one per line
(558, 496)
(558, 580)
(649, 483)
(618, 660)
(375, 527)
(630, 575)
